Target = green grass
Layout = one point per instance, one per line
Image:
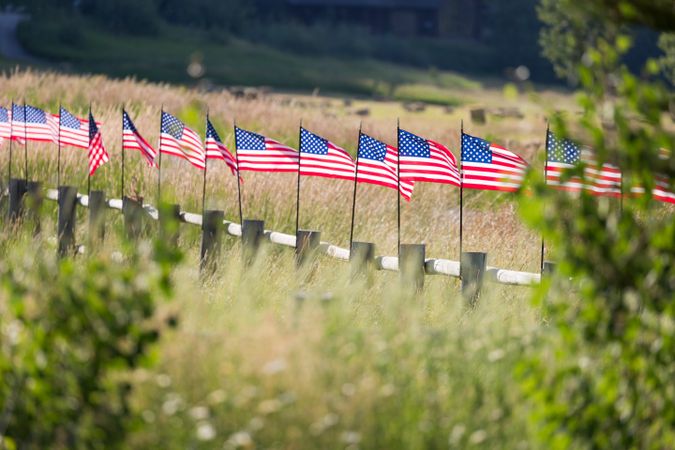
(83, 47)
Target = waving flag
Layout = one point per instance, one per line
(72, 130)
(97, 153)
(5, 128)
(215, 149)
(322, 158)
(377, 165)
(662, 192)
(425, 160)
(563, 154)
(257, 153)
(33, 124)
(490, 167)
(181, 141)
(132, 140)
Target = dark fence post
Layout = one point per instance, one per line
(212, 226)
(66, 221)
(169, 223)
(97, 207)
(133, 218)
(361, 258)
(411, 265)
(34, 203)
(306, 244)
(17, 189)
(548, 269)
(252, 234)
(471, 271)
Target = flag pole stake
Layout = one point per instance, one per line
(541, 261)
(159, 164)
(89, 171)
(398, 186)
(25, 141)
(236, 153)
(356, 177)
(58, 158)
(297, 198)
(461, 188)
(206, 161)
(11, 138)
(122, 180)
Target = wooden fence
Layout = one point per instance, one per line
(413, 265)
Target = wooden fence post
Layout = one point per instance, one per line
(306, 244)
(471, 271)
(361, 259)
(97, 207)
(252, 233)
(548, 269)
(66, 220)
(169, 223)
(34, 203)
(411, 265)
(212, 226)
(17, 189)
(133, 218)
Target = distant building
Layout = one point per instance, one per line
(447, 18)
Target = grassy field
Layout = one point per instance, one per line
(251, 365)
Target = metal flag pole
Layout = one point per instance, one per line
(11, 138)
(461, 189)
(25, 141)
(91, 122)
(122, 180)
(236, 153)
(297, 198)
(58, 157)
(356, 177)
(159, 163)
(541, 262)
(206, 162)
(398, 184)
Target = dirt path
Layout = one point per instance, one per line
(10, 48)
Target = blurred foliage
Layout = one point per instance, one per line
(602, 375)
(667, 44)
(70, 332)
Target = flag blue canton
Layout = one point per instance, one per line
(211, 132)
(172, 126)
(28, 114)
(475, 150)
(127, 124)
(413, 145)
(68, 120)
(4, 116)
(371, 148)
(93, 129)
(311, 143)
(562, 150)
(247, 140)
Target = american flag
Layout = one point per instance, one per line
(322, 158)
(97, 153)
(181, 141)
(257, 153)
(490, 167)
(72, 130)
(662, 191)
(132, 140)
(378, 165)
(563, 154)
(29, 122)
(215, 149)
(425, 160)
(5, 128)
